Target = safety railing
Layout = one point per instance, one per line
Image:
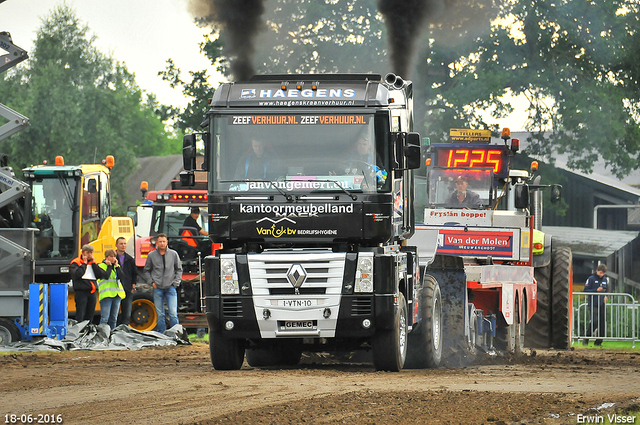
(605, 316)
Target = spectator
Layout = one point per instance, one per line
(84, 275)
(163, 270)
(597, 283)
(128, 275)
(110, 290)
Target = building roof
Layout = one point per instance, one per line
(599, 174)
(590, 243)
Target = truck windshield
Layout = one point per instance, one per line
(53, 214)
(299, 153)
(460, 188)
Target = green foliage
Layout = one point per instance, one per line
(81, 104)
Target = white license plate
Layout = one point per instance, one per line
(297, 303)
(298, 325)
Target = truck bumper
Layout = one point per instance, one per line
(358, 316)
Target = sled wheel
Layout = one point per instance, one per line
(561, 317)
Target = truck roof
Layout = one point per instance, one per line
(311, 90)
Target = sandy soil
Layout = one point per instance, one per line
(177, 385)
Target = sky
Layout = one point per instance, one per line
(141, 33)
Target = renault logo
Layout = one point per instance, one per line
(296, 275)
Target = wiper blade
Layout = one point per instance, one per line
(337, 183)
(273, 184)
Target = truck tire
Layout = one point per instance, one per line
(143, 312)
(9, 332)
(278, 356)
(226, 354)
(424, 348)
(539, 329)
(561, 308)
(390, 346)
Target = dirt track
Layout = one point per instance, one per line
(177, 385)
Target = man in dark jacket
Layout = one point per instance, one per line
(128, 275)
(597, 283)
(84, 275)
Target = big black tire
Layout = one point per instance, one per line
(561, 317)
(226, 354)
(425, 343)
(539, 327)
(9, 332)
(390, 346)
(278, 356)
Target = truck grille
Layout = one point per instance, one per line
(231, 307)
(361, 307)
(324, 269)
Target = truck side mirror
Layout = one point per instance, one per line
(412, 151)
(556, 192)
(521, 196)
(189, 152)
(134, 216)
(187, 178)
(206, 139)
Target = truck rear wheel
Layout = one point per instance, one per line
(9, 332)
(561, 318)
(390, 346)
(539, 329)
(226, 354)
(425, 344)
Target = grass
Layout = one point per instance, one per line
(611, 345)
(194, 338)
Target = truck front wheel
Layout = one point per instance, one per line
(390, 346)
(425, 343)
(226, 354)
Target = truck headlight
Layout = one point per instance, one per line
(364, 273)
(229, 277)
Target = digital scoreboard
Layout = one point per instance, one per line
(494, 157)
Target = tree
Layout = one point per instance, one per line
(575, 63)
(81, 104)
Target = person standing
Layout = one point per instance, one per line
(110, 291)
(128, 275)
(597, 283)
(84, 276)
(163, 270)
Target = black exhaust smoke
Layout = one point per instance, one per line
(239, 22)
(404, 20)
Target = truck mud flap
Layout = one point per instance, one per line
(449, 272)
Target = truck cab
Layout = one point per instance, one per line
(310, 194)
